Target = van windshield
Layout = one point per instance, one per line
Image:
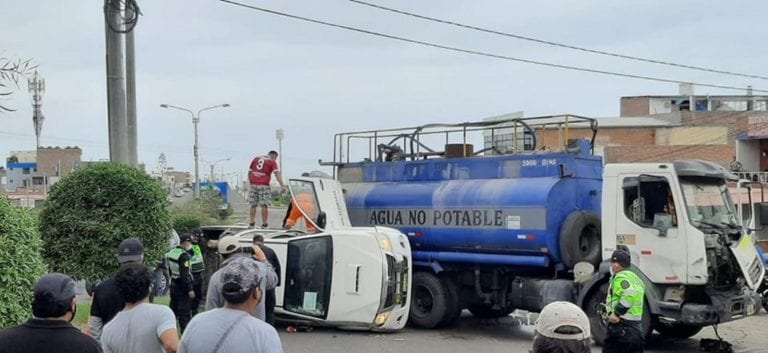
(708, 202)
(308, 276)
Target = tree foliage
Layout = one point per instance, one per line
(91, 211)
(11, 71)
(20, 263)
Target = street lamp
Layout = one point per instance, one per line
(195, 120)
(213, 164)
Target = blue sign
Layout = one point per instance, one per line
(222, 187)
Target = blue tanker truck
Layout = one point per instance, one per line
(517, 225)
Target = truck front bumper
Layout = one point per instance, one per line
(725, 307)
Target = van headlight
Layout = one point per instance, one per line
(381, 319)
(384, 243)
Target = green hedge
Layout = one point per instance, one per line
(20, 263)
(91, 211)
(186, 221)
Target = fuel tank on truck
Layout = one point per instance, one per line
(535, 210)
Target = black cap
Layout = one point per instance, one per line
(130, 250)
(55, 287)
(622, 257)
(197, 231)
(185, 237)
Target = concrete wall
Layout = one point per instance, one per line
(634, 106)
(49, 159)
(697, 135)
(721, 154)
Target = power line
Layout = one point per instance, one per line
(486, 54)
(556, 44)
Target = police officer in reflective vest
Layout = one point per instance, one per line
(626, 293)
(197, 267)
(182, 293)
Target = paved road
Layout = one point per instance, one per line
(498, 336)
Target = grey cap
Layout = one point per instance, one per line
(130, 250)
(242, 274)
(55, 287)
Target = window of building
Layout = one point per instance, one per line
(648, 201)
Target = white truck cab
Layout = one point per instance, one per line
(687, 243)
(341, 276)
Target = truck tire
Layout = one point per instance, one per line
(580, 239)
(452, 302)
(483, 311)
(429, 305)
(677, 331)
(596, 323)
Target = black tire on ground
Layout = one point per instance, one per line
(161, 280)
(580, 239)
(596, 323)
(483, 311)
(452, 302)
(677, 331)
(429, 302)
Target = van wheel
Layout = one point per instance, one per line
(580, 239)
(161, 280)
(429, 302)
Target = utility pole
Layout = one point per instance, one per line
(120, 19)
(130, 81)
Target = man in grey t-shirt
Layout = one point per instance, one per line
(140, 326)
(229, 249)
(233, 329)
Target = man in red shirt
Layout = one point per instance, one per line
(260, 194)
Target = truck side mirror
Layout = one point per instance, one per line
(761, 214)
(321, 219)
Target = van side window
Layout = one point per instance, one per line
(649, 202)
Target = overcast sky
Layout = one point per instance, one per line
(314, 81)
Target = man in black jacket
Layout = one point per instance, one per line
(269, 298)
(49, 330)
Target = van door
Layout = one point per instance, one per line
(321, 201)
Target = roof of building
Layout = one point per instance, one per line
(699, 96)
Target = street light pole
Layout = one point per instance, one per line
(195, 121)
(280, 135)
(213, 165)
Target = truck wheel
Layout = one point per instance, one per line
(580, 239)
(596, 323)
(677, 331)
(483, 311)
(452, 302)
(429, 302)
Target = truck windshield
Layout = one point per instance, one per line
(708, 202)
(308, 276)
